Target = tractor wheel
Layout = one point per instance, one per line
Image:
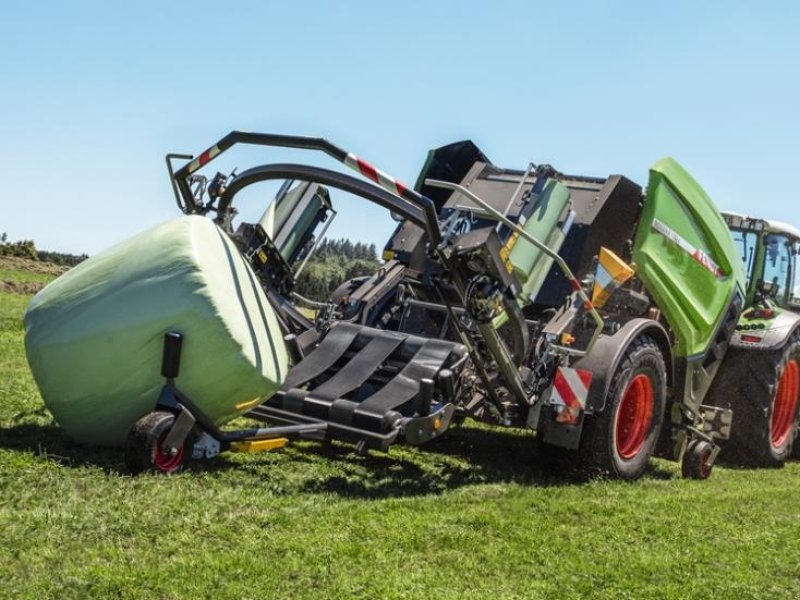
(620, 440)
(695, 460)
(763, 391)
(143, 447)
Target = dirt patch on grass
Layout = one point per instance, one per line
(25, 276)
(31, 266)
(20, 287)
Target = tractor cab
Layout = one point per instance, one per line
(769, 251)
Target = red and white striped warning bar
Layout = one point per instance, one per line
(569, 394)
(203, 158)
(696, 253)
(385, 180)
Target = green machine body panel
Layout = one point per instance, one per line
(290, 219)
(530, 264)
(545, 223)
(685, 256)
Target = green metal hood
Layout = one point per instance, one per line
(685, 256)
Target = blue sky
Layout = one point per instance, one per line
(95, 93)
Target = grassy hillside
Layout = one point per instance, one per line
(471, 516)
(18, 275)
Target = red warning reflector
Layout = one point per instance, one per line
(569, 394)
(764, 313)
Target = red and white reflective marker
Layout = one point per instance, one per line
(385, 180)
(570, 392)
(204, 158)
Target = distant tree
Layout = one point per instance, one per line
(62, 259)
(21, 249)
(335, 261)
(347, 249)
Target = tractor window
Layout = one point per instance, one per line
(745, 242)
(777, 264)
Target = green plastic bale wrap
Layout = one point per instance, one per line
(94, 336)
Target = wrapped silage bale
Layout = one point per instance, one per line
(94, 336)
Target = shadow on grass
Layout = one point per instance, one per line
(48, 441)
(464, 456)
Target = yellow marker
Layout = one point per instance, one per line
(611, 273)
(258, 445)
(505, 251)
(249, 404)
(388, 255)
(262, 256)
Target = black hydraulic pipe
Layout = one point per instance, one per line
(169, 158)
(341, 181)
(264, 433)
(335, 430)
(431, 223)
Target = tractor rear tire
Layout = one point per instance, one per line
(762, 388)
(143, 447)
(620, 440)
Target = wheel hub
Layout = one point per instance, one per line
(785, 404)
(634, 417)
(164, 461)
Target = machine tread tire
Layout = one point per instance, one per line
(748, 386)
(694, 464)
(142, 445)
(599, 452)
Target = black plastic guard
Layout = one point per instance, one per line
(607, 352)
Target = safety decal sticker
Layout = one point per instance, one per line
(696, 253)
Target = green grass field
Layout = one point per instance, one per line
(471, 516)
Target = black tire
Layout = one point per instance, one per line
(695, 460)
(796, 443)
(612, 443)
(749, 384)
(143, 446)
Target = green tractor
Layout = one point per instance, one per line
(760, 380)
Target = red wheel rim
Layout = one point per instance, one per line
(634, 416)
(705, 469)
(785, 405)
(163, 461)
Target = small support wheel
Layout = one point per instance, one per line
(696, 460)
(143, 447)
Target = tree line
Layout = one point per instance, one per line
(27, 249)
(335, 261)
